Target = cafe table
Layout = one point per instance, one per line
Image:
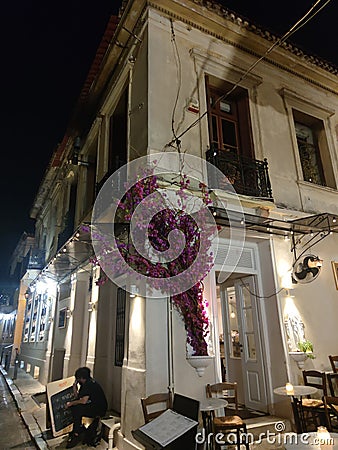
(297, 394)
(208, 406)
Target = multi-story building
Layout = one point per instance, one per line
(271, 130)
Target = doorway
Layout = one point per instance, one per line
(240, 341)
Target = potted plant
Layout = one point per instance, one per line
(306, 347)
(304, 351)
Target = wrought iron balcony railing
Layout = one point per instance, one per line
(246, 175)
(36, 259)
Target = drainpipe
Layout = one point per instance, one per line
(171, 384)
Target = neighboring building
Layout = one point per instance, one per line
(12, 310)
(282, 113)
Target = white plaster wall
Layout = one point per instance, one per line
(272, 131)
(157, 346)
(105, 370)
(317, 303)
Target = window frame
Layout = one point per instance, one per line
(239, 116)
(294, 103)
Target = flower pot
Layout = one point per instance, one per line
(200, 363)
(300, 357)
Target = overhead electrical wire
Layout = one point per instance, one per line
(297, 26)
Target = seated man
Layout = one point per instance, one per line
(90, 402)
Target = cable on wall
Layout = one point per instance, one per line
(309, 15)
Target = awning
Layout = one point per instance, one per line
(315, 224)
(74, 254)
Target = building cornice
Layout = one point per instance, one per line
(210, 18)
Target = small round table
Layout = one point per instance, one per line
(297, 405)
(207, 406)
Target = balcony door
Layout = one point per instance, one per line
(229, 120)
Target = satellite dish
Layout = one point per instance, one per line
(306, 269)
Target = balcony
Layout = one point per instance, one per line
(247, 176)
(36, 259)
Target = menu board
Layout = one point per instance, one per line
(166, 428)
(58, 394)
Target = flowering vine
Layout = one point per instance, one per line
(172, 230)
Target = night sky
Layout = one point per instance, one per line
(46, 51)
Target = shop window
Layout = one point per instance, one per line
(120, 326)
(313, 150)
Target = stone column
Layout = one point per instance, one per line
(77, 331)
(134, 369)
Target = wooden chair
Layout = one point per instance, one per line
(154, 405)
(314, 407)
(331, 412)
(334, 363)
(332, 380)
(228, 424)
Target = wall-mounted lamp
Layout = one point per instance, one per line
(289, 292)
(27, 294)
(69, 313)
(91, 306)
(232, 315)
(74, 157)
(133, 290)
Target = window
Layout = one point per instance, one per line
(229, 122)
(313, 142)
(313, 150)
(118, 134)
(120, 324)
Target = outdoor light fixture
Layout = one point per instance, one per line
(91, 306)
(133, 291)
(69, 313)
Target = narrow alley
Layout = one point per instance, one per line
(13, 432)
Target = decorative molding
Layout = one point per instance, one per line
(309, 59)
(305, 105)
(221, 65)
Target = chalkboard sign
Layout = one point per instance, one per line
(62, 416)
(59, 393)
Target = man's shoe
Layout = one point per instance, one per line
(73, 441)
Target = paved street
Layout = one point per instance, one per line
(13, 432)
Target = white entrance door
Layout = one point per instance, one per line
(250, 343)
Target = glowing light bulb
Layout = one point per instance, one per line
(289, 389)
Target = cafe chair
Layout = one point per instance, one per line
(154, 405)
(228, 424)
(314, 407)
(331, 413)
(332, 381)
(334, 363)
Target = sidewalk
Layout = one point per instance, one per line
(29, 395)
